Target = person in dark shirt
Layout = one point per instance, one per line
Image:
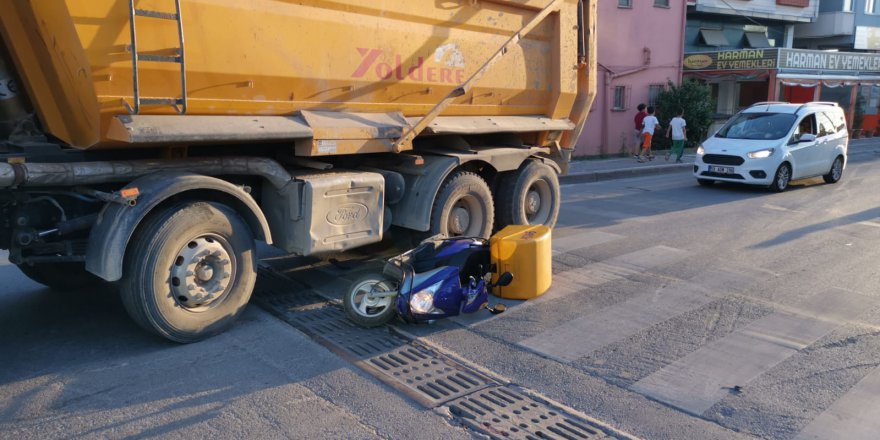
(637, 132)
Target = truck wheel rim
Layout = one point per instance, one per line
(202, 273)
(465, 217)
(538, 202)
(365, 303)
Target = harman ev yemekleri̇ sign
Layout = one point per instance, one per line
(754, 59)
(820, 60)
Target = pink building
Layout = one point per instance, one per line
(640, 51)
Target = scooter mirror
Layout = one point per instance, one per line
(504, 279)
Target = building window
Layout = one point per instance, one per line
(847, 6)
(872, 7)
(654, 93)
(624, 3)
(661, 3)
(619, 98)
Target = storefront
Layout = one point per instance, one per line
(743, 77)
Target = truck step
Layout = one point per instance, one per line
(159, 58)
(156, 14)
(161, 101)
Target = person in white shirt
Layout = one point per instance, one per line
(650, 123)
(679, 135)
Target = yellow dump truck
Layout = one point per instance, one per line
(151, 143)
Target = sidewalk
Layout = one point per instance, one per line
(595, 170)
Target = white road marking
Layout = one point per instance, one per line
(855, 416)
(596, 274)
(563, 242)
(570, 342)
(602, 213)
(699, 380)
(867, 223)
(779, 208)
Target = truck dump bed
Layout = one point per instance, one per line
(267, 58)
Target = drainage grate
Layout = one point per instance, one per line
(429, 378)
(329, 326)
(277, 291)
(426, 377)
(502, 412)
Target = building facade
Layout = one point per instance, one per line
(742, 36)
(715, 25)
(850, 26)
(845, 25)
(639, 52)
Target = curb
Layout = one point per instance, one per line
(624, 173)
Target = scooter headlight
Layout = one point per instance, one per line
(423, 301)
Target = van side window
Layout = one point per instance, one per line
(826, 127)
(838, 120)
(805, 126)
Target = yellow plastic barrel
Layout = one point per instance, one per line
(525, 251)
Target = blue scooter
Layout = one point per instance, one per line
(441, 277)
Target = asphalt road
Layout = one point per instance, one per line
(677, 311)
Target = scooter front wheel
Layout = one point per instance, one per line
(369, 301)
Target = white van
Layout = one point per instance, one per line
(773, 143)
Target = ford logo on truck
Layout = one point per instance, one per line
(347, 214)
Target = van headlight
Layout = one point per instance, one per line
(423, 301)
(700, 150)
(760, 154)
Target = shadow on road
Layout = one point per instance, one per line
(75, 361)
(794, 234)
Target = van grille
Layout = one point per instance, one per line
(723, 159)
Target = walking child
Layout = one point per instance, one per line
(679, 135)
(650, 123)
(637, 132)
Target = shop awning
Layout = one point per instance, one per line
(828, 77)
(713, 37)
(757, 40)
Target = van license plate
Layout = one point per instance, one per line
(720, 170)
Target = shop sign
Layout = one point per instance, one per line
(820, 60)
(745, 59)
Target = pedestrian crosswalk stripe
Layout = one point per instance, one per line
(582, 212)
(699, 380)
(855, 416)
(613, 269)
(580, 337)
(579, 240)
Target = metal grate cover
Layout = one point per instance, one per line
(502, 412)
(329, 326)
(424, 376)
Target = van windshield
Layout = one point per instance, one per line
(758, 126)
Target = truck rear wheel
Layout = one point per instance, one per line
(189, 271)
(529, 196)
(463, 207)
(63, 277)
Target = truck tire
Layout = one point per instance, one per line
(463, 207)
(529, 196)
(63, 277)
(189, 271)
